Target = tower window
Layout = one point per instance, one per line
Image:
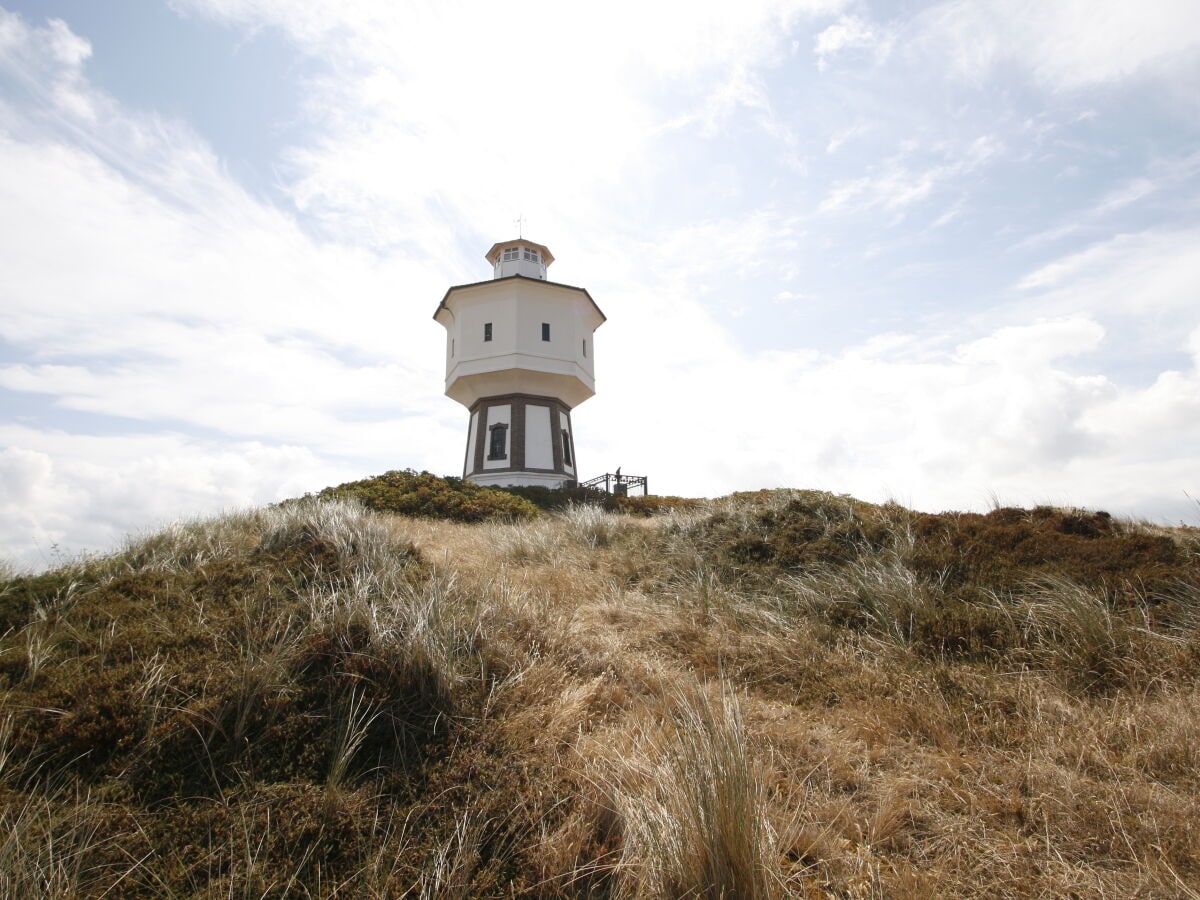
(498, 446)
(566, 442)
(585, 347)
(545, 331)
(512, 253)
(487, 331)
(532, 255)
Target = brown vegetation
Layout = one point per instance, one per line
(779, 694)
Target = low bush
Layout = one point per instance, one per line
(552, 499)
(1005, 547)
(421, 494)
(651, 505)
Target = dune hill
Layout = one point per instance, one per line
(778, 694)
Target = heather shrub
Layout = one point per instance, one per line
(1002, 549)
(421, 494)
(651, 505)
(550, 499)
(554, 499)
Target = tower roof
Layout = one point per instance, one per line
(553, 284)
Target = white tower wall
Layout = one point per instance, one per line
(539, 451)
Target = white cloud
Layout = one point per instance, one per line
(1036, 346)
(1064, 44)
(74, 492)
(836, 142)
(850, 33)
(1158, 416)
(1134, 274)
(48, 60)
(1161, 175)
(1003, 413)
(896, 185)
(491, 111)
(241, 324)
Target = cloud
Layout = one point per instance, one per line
(1162, 175)
(850, 33)
(47, 61)
(65, 493)
(568, 109)
(1026, 347)
(238, 323)
(896, 185)
(1064, 45)
(836, 142)
(1006, 412)
(1133, 274)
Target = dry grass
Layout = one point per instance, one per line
(776, 695)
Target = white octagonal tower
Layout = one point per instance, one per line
(519, 356)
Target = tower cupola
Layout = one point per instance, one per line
(519, 257)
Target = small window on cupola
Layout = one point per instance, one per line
(532, 255)
(512, 253)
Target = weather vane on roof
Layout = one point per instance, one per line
(520, 225)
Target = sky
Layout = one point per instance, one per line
(942, 253)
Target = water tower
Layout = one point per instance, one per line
(519, 356)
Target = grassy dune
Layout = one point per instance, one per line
(771, 695)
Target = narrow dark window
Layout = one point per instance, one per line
(499, 441)
(545, 331)
(585, 346)
(451, 346)
(487, 331)
(566, 439)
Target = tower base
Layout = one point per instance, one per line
(522, 479)
(520, 439)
